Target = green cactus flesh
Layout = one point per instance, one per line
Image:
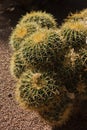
(36, 90)
(18, 65)
(20, 32)
(43, 48)
(75, 34)
(41, 18)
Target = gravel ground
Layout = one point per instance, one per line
(12, 117)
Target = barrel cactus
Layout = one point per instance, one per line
(35, 89)
(75, 34)
(43, 48)
(21, 32)
(41, 18)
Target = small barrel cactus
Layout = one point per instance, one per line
(43, 48)
(35, 90)
(20, 32)
(41, 18)
(75, 34)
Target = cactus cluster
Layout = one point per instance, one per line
(50, 64)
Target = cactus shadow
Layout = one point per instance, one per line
(78, 121)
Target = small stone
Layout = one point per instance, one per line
(10, 95)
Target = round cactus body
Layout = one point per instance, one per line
(36, 90)
(43, 48)
(75, 34)
(41, 18)
(21, 32)
(18, 64)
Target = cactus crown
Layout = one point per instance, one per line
(76, 26)
(37, 82)
(21, 32)
(79, 16)
(41, 18)
(39, 36)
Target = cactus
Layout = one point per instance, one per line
(43, 48)
(35, 90)
(75, 34)
(20, 32)
(41, 18)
